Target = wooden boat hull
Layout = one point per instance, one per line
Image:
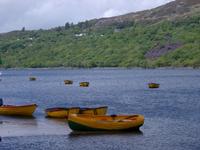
(105, 123)
(25, 110)
(61, 112)
(68, 81)
(84, 84)
(32, 78)
(94, 111)
(153, 85)
(65, 112)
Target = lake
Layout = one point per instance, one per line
(172, 112)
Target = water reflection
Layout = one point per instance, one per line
(168, 111)
(57, 121)
(13, 126)
(28, 126)
(19, 120)
(75, 134)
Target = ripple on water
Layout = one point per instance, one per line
(171, 112)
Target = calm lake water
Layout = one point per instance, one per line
(172, 112)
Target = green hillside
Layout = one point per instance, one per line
(131, 43)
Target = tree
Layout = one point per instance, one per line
(67, 25)
(84, 25)
(58, 29)
(23, 29)
(0, 61)
(124, 24)
(71, 25)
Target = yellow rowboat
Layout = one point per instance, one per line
(105, 123)
(94, 111)
(65, 112)
(24, 110)
(60, 112)
(153, 85)
(68, 81)
(84, 84)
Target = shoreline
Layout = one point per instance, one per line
(103, 68)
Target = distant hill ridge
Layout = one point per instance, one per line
(170, 11)
(168, 35)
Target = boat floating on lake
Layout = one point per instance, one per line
(61, 112)
(84, 84)
(68, 81)
(32, 78)
(153, 85)
(23, 110)
(94, 111)
(79, 122)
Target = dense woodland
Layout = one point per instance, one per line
(123, 44)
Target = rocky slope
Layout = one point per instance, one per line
(171, 11)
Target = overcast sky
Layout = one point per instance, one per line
(36, 14)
